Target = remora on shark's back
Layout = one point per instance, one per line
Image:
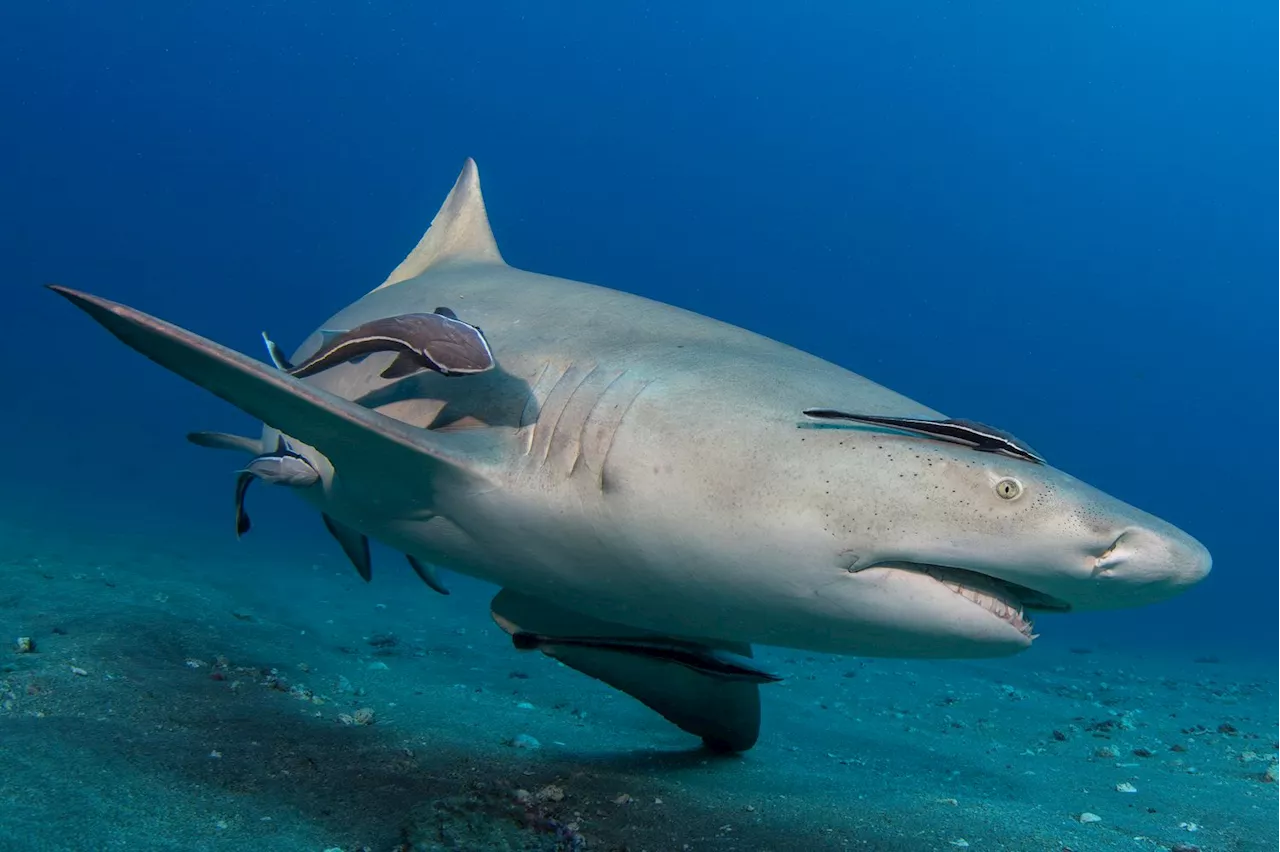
(436, 341)
(636, 480)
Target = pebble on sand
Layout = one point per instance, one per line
(550, 793)
(1087, 818)
(363, 716)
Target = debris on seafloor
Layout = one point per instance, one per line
(489, 817)
(363, 716)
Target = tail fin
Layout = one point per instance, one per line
(276, 353)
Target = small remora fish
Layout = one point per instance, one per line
(702, 659)
(437, 341)
(970, 433)
(282, 466)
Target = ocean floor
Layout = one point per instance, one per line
(193, 695)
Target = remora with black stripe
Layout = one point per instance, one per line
(970, 433)
(437, 341)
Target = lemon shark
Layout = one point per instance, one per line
(643, 484)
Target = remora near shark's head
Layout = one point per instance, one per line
(975, 542)
(636, 481)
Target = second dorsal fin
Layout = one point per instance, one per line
(459, 232)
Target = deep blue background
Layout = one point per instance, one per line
(1059, 220)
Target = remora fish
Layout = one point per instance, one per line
(970, 433)
(712, 662)
(436, 341)
(286, 466)
(634, 469)
(281, 466)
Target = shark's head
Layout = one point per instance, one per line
(958, 549)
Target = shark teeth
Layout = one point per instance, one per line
(986, 592)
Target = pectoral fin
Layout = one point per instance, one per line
(353, 543)
(404, 365)
(724, 713)
(365, 445)
(427, 573)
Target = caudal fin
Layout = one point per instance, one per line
(276, 354)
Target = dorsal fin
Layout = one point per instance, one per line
(459, 232)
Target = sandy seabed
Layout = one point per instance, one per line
(184, 697)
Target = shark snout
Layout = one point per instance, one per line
(1147, 564)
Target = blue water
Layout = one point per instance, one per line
(1056, 218)
(1059, 220)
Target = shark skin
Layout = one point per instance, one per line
(650, 468)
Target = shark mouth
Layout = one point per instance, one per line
(1006, 601)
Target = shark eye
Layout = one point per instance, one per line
(1008, 488)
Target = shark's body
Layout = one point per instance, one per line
(633, 469)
